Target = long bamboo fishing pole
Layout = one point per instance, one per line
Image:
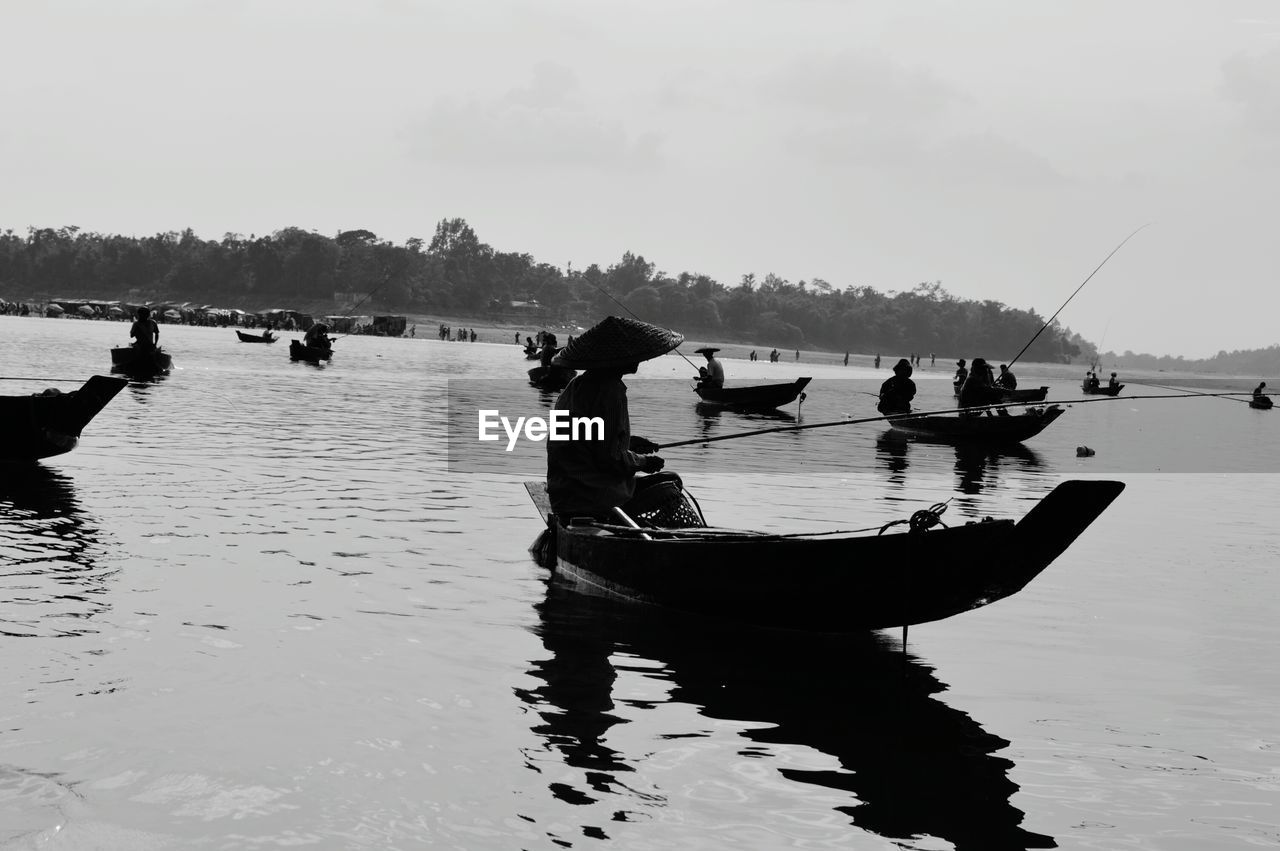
(638, 319)
(1073, 295)
(917, 414)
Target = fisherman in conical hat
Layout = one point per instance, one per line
(586, 477)
(711, 375)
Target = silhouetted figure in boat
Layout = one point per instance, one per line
(1007, 380)
(897, 392)
(589, 478)
(978, 388)
(711, 375)
(317, 337)
(144, 331)
(1093, 381)
(1258, 391)
(1114, 382)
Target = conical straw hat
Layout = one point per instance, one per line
(617, 342)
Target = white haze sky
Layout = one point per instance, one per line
(1002, 148)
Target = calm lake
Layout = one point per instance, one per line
(270, 604)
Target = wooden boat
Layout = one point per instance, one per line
(551, 377)
(1261, 403)
(1027, 396)
(310, 354)
(256, 338)
(1101, 389)
(140, 363)
(979, 428)
(758, 397)
(46, 424)
(837, 583)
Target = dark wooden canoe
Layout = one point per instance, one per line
(311, 354)
(140, 363)
(1030, 394)
(255, 338)
(848, 583)
(1261, 403)
(758, 397)
(1101, 389)
(49, 423)
(979, 428)
(551, 377)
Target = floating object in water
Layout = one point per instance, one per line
(1084, 452)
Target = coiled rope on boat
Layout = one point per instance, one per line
(922, 520)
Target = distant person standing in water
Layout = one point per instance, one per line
(877, 360)
(932, 358)
(144, 331)
(797, 354)
(846, 358)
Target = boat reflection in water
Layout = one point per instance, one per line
(50, 583)
(891, 452)
(909, 765)
(976, 464)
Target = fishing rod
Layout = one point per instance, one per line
(638, 319)
(1191, 392)
(37, 378)
(917, 414)
(1073, 295)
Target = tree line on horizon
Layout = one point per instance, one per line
(456, 273)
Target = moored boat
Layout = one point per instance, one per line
(45, 424)
(850, 582)
(1261, 403)
(140, 363)
(266, 337)
(758, 397)
(990, 428)
(311, 354)
(551, 377)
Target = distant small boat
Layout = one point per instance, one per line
(980, 428)
(140, 363)
(1261, 403)
(1100, 389)
(45, 424)
(256, 338)
(758, 397)
(311, 354)
(551, 377)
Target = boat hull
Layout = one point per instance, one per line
(1030, 394)
(981, 428)
(1101, 390)
(310, 354)
(1260, 403)
(140, 363)
(42, 426)
(255, 338)
(760, 397)
(834, 584)
(551, 377)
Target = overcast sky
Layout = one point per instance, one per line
(1002, 148)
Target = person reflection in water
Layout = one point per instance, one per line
(906, 766)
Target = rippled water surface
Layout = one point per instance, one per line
(257, 607)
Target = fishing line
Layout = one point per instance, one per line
(1073, 295)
